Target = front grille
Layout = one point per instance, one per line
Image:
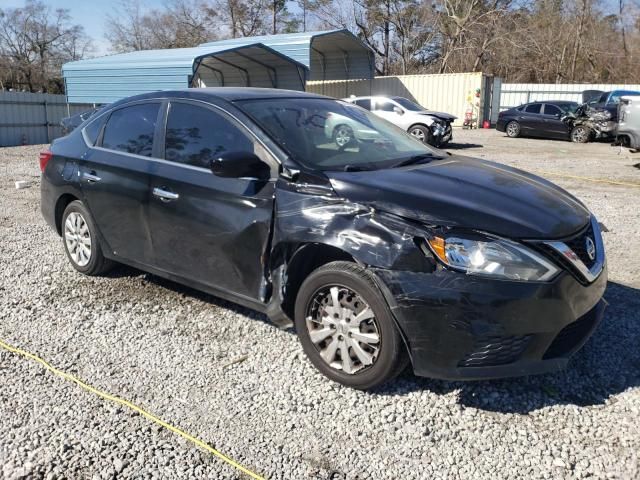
(495, 350)
(579, 246)
(570, 337)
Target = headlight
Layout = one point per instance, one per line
(492, 257)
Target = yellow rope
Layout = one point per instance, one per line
(588, 179)
(132, 406)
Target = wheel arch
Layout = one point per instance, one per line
(61, 204)
(303, 260)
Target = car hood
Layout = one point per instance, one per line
(470, 193)
(447, 117)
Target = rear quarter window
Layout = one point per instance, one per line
(92, 131)
(131, 129)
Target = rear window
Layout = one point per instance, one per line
(533, 108)
(131, 129)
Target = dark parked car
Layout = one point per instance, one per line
(381, 253)
(537, 119)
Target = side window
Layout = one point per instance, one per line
(533, 108)
(384, 105)
(92, 131)
(197, 135)
(364, 103)
(551, 109)
(130, 129)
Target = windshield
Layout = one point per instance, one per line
(333, 135)
(408, 104)
(569, 107)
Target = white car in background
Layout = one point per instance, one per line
(428, 126)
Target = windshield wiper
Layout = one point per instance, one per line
(355, 168)
(415, 159)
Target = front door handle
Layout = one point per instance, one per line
(91, 177)
(165, 195)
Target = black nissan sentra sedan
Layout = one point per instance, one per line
(383, 251)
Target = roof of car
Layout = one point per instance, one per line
(230, 94)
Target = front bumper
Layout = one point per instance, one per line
(463, 327)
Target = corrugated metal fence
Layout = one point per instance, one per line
(514, 94)
(453, 93)
(33, 118)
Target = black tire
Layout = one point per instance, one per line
(391, 356)
(581, 134)
(340, 132)
(423, 134)
(512, 129)
(97, 264)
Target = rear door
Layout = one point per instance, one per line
(114, 177)
(532, 121)
(208, 229)
(554, 126)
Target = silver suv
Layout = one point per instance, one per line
(628, 133)
(428, 126)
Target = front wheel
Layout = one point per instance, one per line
(346, 328)
(421, 133)
(580, 134)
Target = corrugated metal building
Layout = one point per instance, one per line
(453, 93)
(277, 61)
(107, 79)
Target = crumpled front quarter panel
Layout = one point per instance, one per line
(371, 237)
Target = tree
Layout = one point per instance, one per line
(182, 23)
(34, 43)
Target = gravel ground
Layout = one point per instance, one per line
(179, 354)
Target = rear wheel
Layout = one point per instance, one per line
(580, 134)
(513, 129)
(80, 240)
(346, 328)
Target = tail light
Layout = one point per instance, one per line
(44, 159)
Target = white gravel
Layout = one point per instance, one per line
(173, 351)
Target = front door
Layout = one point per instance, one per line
(205, 228)
(115, 179)
(555, 127)
(532, 121)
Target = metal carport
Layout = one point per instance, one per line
(110, 78)
(329, 54)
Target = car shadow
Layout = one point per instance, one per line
(608, 364)
(462, 146)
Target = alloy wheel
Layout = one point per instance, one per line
(343, 136)
(418, 133)
(513, 129)
(77, 239)
(343, 328)
(580, 135)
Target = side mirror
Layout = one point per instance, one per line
(240, 165)
(398, 110)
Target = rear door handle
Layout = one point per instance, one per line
(165, 195)
(91, 177)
